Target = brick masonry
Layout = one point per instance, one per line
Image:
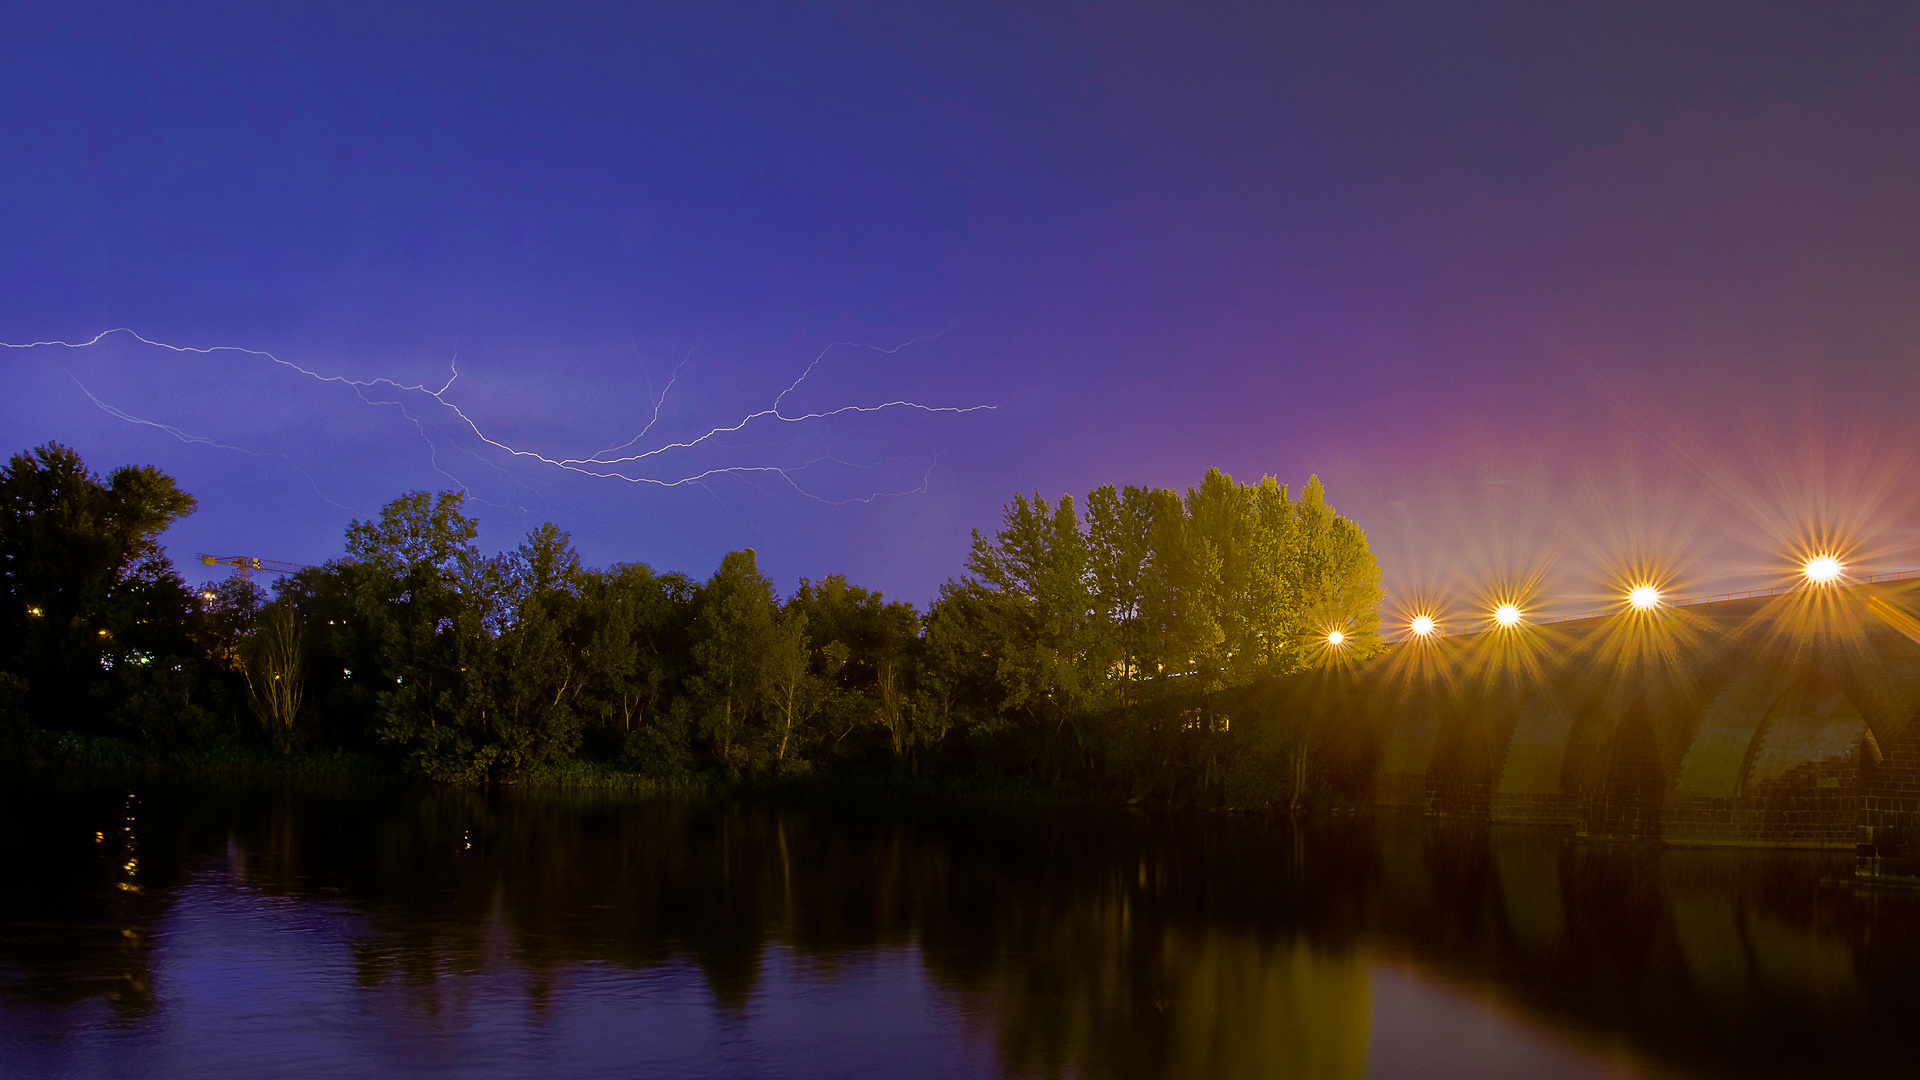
(1603, 741)
(1887, 827)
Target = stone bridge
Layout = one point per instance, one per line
(1782, 721)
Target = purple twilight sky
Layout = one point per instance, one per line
(1537, 289)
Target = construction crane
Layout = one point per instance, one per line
(245, 566)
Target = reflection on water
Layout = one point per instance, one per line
(171, 929)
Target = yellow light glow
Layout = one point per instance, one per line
(1507, 615)
(1421, 625)
(1823, 569)
(1336, 638)
(1644, 597)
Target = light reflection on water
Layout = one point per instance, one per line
(375, 931)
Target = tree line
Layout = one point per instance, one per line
(1094, 645)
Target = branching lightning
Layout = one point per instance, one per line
(202, 440)
(632, 461)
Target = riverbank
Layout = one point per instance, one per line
(46, 751)
(59, 751)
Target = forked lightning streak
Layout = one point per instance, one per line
(620, 462)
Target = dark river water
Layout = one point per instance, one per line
(208, 930)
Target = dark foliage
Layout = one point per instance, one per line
(1101, 652)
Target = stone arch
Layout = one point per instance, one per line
(1471, 747)
(1530, 788)
(1631, 784)
(1716, 759)
(1406, 754)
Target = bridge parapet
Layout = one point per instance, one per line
(1783, 720)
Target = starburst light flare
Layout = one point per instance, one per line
(1504, 640)
(1823, 569)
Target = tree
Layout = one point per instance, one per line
(537, 641)
(1120, 551)
(1032, 600)
(861, 653)
(794, 693)
(1336, 579)
(733, 635)
(275, 668)
(229, 611)
(475, 662)
(635, 658)
(418, 537)
(957, 675)
(1181, 601)
(1126, 631)
(95, 611)
(422, 602)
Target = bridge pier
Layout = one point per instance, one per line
(1887, 826)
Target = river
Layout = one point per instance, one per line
(194, 929)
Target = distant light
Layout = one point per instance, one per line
(1507, 615)
(1422, 625)
(1336, 638)
(1822, 569)
(1644, 597)
(34, 611)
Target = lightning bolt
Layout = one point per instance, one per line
(621, 462)
(192, 438)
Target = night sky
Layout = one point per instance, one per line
(1537, 289)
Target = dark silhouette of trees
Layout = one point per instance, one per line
(1099, 644)
(99, 631)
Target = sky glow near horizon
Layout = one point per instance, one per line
(1555, 303)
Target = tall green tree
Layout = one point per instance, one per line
(477, 662)
(1120, 564)
(1126, 629)
(795, 693)
(734, 631)
(1336, 578)
(1181, 604)
(422, 601)
(537, 669)
(1030, 601)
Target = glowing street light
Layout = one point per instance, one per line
(1643, 597)
(1823, 569)
(1336, 638)
(1422, 625)
(1507, 615)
